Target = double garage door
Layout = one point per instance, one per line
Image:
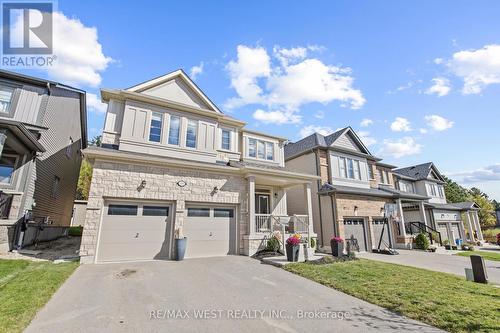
(454, 231)
(144, 231)
(355, 233)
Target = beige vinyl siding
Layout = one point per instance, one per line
(346, 142)
(28, 104)
(62, 116)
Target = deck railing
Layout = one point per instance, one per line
(265, 223)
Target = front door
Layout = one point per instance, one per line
(262, 204)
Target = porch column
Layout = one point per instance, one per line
(401, 217)
(3, 137)
(422, 212)
(462, 231)
(251, 204)
(469, 224)
(307, 195)
(478, 226)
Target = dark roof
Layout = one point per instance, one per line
(382, 191)
(466, 205)
(309, 142)
(417, 172)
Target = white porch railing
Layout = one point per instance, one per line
(265, 223)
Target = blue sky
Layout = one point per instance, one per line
(423, 75)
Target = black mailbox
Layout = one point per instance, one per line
(479, 269)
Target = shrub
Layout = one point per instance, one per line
(421, 241)
(313, 243)
(273, 244)
(468, 247)
(75, 231)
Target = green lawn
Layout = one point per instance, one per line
(487, 255)
(25, 286)
(442, 300)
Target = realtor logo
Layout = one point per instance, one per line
(27, 27)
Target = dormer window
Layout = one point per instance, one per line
(226, 140)
(5, 97)
(155, 127)
(192, 129)
(174, 130)
(349, 168)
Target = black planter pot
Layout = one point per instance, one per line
(337, 248)
(292, 252)
(180, 248)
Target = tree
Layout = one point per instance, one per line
(496, 204)
(83, 186)
(455, 192)
(486, 209)
(96, 141)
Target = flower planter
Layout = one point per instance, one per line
(292, 252)
(180, 248)
(337, 248)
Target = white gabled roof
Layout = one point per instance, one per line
(171, 76)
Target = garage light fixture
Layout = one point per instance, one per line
(142, 185)
(215, 190)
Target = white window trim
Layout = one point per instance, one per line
(231, 131)
(197, 122)
(257, 158)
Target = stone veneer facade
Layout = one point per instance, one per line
(120, 180)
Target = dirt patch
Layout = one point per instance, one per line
(65, 247)
(125, 273)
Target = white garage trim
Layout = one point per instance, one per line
(140, 205)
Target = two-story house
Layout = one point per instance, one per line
(171, 162)
(452, 220)
(42, 131)
(351, 195)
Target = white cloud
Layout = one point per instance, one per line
(196, 70)
(441, 87)
(252, 64)
(94, 103)
(366, 122)
(423, 130)
(401, 147)
(488, 173)
(438, 61)
(310, 129)
(478, 68)
(366, 138)
(80, 59)
(438, 123)
(320, 114)
(285, 85)
(276, 117)
(400, 124)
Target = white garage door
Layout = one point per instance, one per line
(134, 231)
(210, 231)
(354, 230)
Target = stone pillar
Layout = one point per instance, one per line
(3, 137)
(401, 218)
(422, 212)
(251, 204)
(308, 197)
(478, 226)
(462, 231)
(469, 224)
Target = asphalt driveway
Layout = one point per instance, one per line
(242, 294)
(436, 262)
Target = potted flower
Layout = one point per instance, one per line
(292, 247)
(446, 244)
(337, 244)
(180, 244)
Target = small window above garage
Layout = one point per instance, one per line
(154, 211)
(122, 210)
(199, 212)
(223, 212)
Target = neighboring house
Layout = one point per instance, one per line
(42, 131)
(172, 163)
(355, 188)
(447, 218)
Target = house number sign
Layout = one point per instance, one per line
(181, 183)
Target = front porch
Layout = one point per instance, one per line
(267, 212)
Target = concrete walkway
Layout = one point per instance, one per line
(241, 294)
(436, 262)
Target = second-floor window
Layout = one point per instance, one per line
(370, 171)
(226, 140)
(5, 97)
(261, 149)
(349, 168)
(174, 130)
(155, 127)
(192, 129)
(384, 176)
(440, 191)
(405, 187)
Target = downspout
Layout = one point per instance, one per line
(318, 173)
